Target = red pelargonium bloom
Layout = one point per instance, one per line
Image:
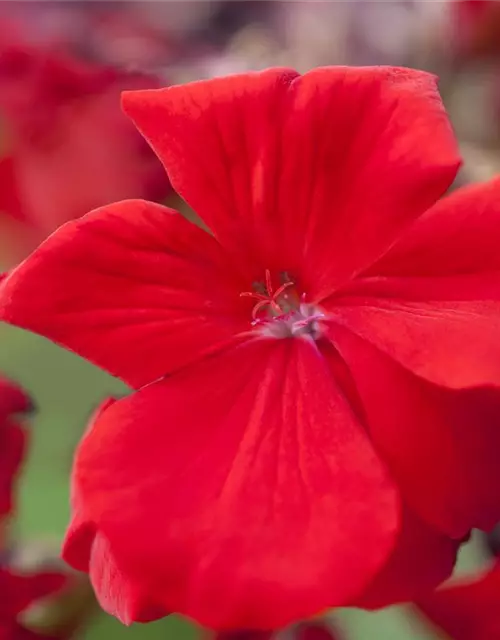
(19, 592)
(13, 400)
(69, 147)
(315, 415)
(468, 610)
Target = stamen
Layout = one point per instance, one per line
(260, 305)
(308, 320)
(269, 283)
(284, 313)
(251, 294)
(283, 287)
(269, 297)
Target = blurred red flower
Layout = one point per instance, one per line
(468, 610)
(303, 631)
(314, 631)
(477, 27)
(69, 147)
(315, 415)
(18, 593)
(13, 400)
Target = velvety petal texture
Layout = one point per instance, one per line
(291, 170)
(270, 447)
(117, 595)
(132, 287)
(433, 302)
(440, 444)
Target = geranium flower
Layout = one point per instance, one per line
(18, 593)
(69, 147)
(13, 400)
(468, 610)
(314, 422)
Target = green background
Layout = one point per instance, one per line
(66, 389)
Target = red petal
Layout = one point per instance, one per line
(79, 539)
(241, 492)
(433, 302)
(117, 595)
(290, 170)
(440, 444)
(87, 550)
(133, 287)
(20, 591)
(421, 560)
(455, 237)
(467, 611)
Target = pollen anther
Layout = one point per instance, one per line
(270, 298)
(284, 313)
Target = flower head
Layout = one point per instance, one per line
(314, 415)
(69, 147)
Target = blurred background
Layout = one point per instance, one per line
(65, 148)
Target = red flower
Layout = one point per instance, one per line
(12, 440)
(70, 147)
(468, 610)
(243, 635)
(315, 421)
(21, 591)
(477, 27)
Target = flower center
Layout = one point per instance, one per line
(281, 312)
